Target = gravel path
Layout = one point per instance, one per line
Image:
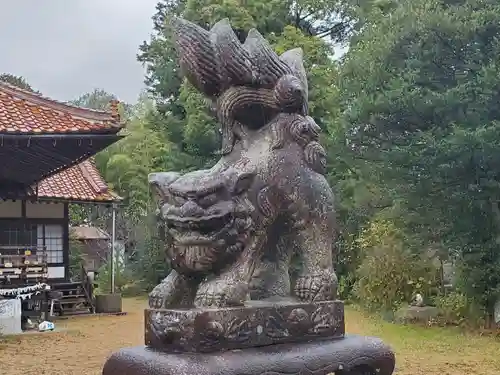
(80, 348)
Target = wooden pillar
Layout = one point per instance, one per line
(66, 241)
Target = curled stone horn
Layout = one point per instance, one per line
(294, 59)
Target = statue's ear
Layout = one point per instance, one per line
(244, 182)
(159, 183)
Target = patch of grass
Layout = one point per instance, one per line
(430, 350)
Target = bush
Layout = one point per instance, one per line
(344, 288)
(456, 308)
(150, 265)
(389, 274)
(122, 277)
(75, 258)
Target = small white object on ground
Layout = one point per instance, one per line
(46, 326)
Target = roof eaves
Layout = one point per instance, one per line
(112, 117)
(75, 200)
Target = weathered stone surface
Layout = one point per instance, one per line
(353, 355)
(231, 230)
(421, 314)
(258, 323)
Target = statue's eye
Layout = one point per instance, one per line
(208, 200)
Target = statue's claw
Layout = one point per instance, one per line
(174, 291)
(221, 293)
(161, 295)
(321, 286)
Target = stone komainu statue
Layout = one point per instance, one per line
(231, 230)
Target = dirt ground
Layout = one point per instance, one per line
(85, 343)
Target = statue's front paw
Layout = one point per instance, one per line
(321, 286)
(174, 291)
(161, 296)
(221, 293)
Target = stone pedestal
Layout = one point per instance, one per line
(262, 337)
(351, 355)
(108, 303)
(258, 323)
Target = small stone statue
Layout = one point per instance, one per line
(231, 230)
(418, 300)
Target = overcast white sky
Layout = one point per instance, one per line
(65, 48)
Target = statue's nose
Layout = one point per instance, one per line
(190, 208)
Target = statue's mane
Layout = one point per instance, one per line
(246, 84)
(214, 60)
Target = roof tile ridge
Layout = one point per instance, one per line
(85, 113)
(7, 85)
(91, 174)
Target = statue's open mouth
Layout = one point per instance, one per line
(198, 242)
(207, 218)
(187, 231)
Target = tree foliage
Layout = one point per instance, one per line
(98, 99)
(16, 81)
(125, 165)
(410, 121)
(390, 274)
(420, 91)
(181, 114)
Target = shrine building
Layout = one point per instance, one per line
(46, 150)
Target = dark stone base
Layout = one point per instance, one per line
(258, 323)
(108, 303)
(352, 355)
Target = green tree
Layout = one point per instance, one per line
(125, 166)
(76, 260)
(420, 91)
(181, 115)
(180, 118)
(16, 81)
(100, 100)
(390, 274)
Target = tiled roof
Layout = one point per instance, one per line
(88, 233)
(81, 183)
(24, 112)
